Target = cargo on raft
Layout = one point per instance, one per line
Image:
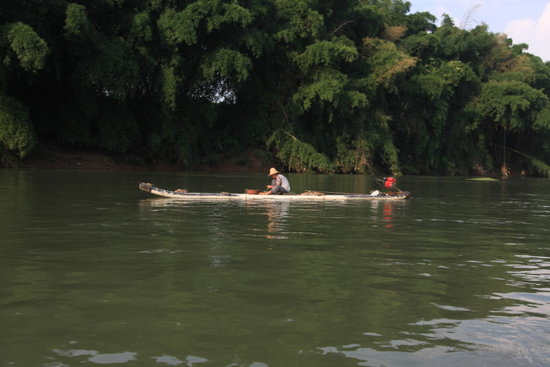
(256, 195)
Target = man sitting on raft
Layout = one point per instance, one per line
(279, 183)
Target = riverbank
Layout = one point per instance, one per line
(55, 156)
(49, 155)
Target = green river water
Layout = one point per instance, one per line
(95, 272)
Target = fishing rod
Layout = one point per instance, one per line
(377, 180)
(388, 183)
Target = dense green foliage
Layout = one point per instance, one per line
(323, 85)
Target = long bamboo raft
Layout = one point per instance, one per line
(306, 196)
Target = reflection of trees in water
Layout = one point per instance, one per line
(277, 214)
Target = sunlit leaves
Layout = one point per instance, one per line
(439, 82)
(31, 50)
(230, 13)
(387, 61)
(183, 26)
(76, 22)
(394, 11)
(326, 53)
(178, 27)
(16, 131)
(299, 20)
(257, 42)
(511, 104)
(141, 28)
(542, 123)
(393, 34)
(329, 86)
(321, 60)
(298, 155)
(226, 62)
(519, 68)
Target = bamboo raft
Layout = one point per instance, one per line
(306, 196)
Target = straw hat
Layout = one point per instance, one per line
(273, 171)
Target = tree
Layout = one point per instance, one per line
(516, 112)
(23, 53)
(322, 85)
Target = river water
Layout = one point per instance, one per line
(95, 272)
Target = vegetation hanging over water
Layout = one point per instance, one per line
(325, 86)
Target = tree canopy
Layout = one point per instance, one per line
(325, 86)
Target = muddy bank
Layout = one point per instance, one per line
(53, 156)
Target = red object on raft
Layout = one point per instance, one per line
(389, 182)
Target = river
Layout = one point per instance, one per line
(95, 272)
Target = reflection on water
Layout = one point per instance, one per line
(519, 330)
(533, 272)
(173, 361)
(388, 213)
(277, 211)
(82, 356)
(277, 214)
(97, 357)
